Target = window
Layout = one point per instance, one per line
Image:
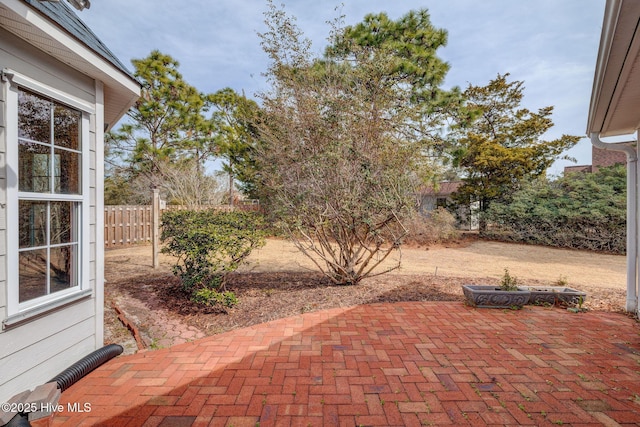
(47, 198)
(49, 164)
(441, 202)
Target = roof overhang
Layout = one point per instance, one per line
(120, 89)
(615, 97)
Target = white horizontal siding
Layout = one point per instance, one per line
(3, 274)
(3, 293)
(3, 204)
(43, 372)
(92, 177)
(35, 351)
(19, 56)
(92, 276)
(14, 339)
(92, 159)
(40, 351)
(3, 201)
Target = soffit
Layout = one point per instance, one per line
(121, 90)
(615, 100)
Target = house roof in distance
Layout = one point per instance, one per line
(444, 188)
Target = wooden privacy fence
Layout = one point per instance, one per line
(130, 225)
(127, 225)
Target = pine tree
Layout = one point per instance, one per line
(498, 144)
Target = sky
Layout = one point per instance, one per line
(551, 45)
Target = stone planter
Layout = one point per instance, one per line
(487, 296)
(555, 294)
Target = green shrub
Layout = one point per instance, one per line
(508, 282)
(211, 297)
(209, 245)
(579, 210)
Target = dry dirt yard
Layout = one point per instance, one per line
(279, 282)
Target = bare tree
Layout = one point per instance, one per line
(185, 184)
(342, 149)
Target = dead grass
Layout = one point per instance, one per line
(279, 282)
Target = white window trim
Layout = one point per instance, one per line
(18, 312)
(62, 97)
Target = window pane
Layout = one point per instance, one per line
(33, 274)
(34, 170)
(61, 267)
(61, 222)
(32, 224)
(34, 117)
(67, 127)
(66, 168)
(50, 160)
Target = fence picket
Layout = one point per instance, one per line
(130, 225)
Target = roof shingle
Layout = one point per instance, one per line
(62, 15)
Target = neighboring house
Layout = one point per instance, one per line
(433, 197)
(615, 110)
(599, 159)
(603, 158)
(60, 90)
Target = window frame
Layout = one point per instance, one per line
(19, 311)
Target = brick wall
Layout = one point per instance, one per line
(575, 169)
(602, 158)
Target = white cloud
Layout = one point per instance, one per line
(549, 44)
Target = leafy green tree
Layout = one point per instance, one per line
(499, 144)
(117, 190)
(578, 210)
(167, 124)
(407, 48)
(344, 136)
(234, 117)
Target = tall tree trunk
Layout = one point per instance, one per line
(231, 194)
(482, 222)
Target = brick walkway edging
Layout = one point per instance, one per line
(412, 363)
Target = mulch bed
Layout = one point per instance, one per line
(268, 296)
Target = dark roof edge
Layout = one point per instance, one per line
(61, 14)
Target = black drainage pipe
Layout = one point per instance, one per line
(82, 367)
(20, 420)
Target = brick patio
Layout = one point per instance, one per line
(413, 363)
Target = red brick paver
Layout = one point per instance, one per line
(413, 363)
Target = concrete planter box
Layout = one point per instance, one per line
(555, 294)
(486, 296)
